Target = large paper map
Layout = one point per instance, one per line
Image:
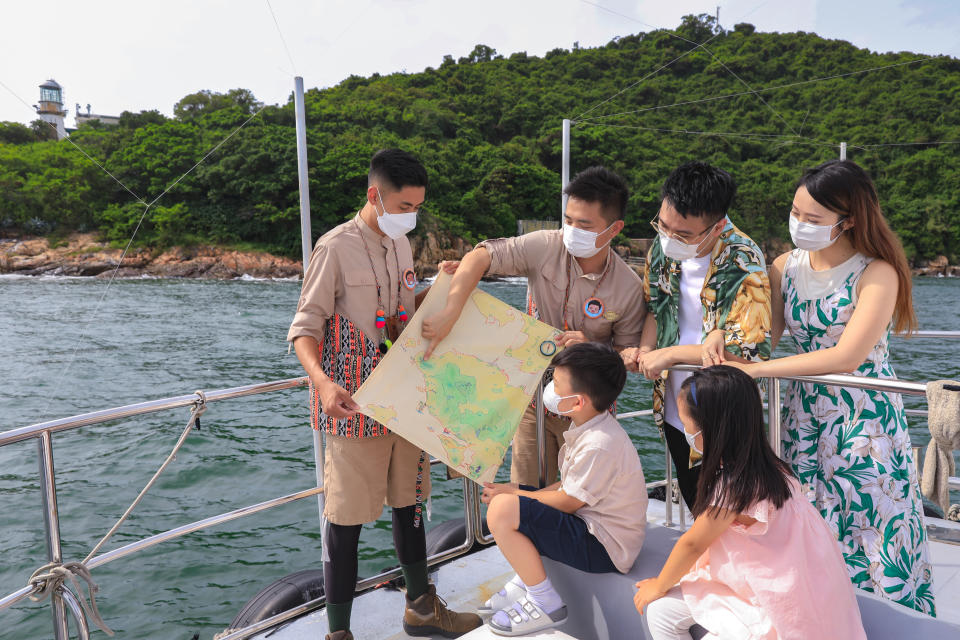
(462, 405)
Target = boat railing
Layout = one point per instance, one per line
(44, 431)
(63, 598)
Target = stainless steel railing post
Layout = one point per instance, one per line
(471, 511)
(480, 536)
(83, 631)
(51, 521)
(668, 487)
(773, 415)
(541, 439)
(318, 461)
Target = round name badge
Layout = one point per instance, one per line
(409, 279)
(593, 308)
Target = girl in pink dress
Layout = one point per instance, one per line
(759, 561)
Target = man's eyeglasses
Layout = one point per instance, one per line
(655, 223)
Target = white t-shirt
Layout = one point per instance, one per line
(690, 321)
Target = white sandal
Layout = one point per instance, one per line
(526, 617)
(502, 599)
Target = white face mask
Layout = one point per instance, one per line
(812, 237)
(552, 401)
(692, 439)
(580, 242)
(395, 225)
(679, 250)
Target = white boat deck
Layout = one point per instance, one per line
(468, 581)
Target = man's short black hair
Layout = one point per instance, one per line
(699, 190)
(596, 371)
(598, 184)
(396, 169)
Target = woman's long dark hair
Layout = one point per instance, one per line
(739, 468)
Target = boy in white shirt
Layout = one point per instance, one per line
(594, 519)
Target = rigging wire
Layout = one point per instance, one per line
(113, 274)
(730, 134)
(649, 75)
(696, 46)
(907, 144)
(76, 146)
(762, 90)
(782, 139)
(282, 39)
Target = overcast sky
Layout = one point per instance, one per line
(133, 55)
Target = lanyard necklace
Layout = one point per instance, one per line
(385, 344)
(381, 321)
(566, 293)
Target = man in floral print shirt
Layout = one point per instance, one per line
(702, 274)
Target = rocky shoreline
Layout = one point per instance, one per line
(82, 254)
(939, 267)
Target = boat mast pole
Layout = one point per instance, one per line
(541, 432)
(564, 167)
(306, 245)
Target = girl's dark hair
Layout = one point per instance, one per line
(739, 468)
(596, 371)
(845, 188)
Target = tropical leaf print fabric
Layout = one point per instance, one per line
(851, 451)
(735, 298)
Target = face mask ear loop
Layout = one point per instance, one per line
(382, 206)
(708, 233)
(842, 230)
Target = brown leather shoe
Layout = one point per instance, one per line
(428, 615)
(340, 635)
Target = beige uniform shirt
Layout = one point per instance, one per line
(542, 258)
(340, 280)
(600, 466)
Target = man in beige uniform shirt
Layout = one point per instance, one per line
(575, 282)
(357, 294)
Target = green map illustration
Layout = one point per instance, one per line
(462, 405)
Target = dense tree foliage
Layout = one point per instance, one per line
(488, 129)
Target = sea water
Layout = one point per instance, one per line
(71, 345)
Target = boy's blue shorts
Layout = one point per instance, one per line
(562, 537)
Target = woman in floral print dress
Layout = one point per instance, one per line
(843, 289)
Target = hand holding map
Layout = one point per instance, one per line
(462, 405)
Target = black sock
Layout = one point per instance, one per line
(411, 545)
(340, 573)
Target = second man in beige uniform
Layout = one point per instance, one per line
(575, 282)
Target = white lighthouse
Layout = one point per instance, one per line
(51, 108)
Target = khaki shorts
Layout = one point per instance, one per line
(524, 465)
(360, 475)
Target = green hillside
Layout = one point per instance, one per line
(488, 129)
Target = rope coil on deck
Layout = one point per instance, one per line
(50, 578)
